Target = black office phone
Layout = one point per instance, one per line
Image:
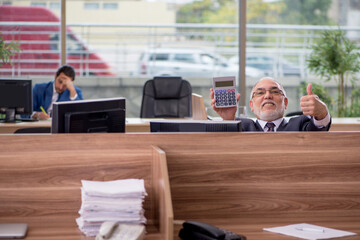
(195, 230)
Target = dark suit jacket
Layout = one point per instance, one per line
(295, 124)
(42, 95)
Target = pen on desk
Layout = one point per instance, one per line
(43, 110)
(307, 229)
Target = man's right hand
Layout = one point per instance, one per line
(40, 116)
(69, 84)
(224, 113)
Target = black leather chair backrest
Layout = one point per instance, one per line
(166, 97)
(291, 114)
(33, 130)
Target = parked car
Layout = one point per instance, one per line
(187, 63)
(270, 65)
(40, 45)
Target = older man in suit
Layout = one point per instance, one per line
(268, 102)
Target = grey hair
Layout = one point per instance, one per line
(267, 78)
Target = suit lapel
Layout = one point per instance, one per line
(64, 96)
(282, 125)
(258, 126)
(48, 95)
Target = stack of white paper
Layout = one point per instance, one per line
(115, 201)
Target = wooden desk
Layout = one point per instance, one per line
(239, 181)
(132, 125)
(12, 127)
(137, 125)
(143, 125)
(40, 180)
(345, 124)
(245, 182)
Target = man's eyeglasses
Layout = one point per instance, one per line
(261, 92)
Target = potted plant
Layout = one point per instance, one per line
(7, 50)
(335, 57)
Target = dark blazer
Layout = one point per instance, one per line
(295, 124)
(42, 95)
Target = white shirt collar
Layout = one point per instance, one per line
(277, 123)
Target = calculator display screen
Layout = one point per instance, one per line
(224, 84)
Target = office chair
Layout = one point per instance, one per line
(166, 97)
(291, 114)
(33, 130)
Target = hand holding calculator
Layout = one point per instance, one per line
(224, 92)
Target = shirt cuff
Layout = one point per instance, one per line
(73, 98)
(323, 122)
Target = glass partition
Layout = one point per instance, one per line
(115, 46)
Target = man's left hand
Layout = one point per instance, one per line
(312, 105)
(70, 86)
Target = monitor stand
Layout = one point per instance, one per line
(10, 116)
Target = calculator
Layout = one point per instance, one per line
(224, 91)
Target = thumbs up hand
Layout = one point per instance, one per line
(312, 105)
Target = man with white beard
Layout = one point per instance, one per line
(268, 102)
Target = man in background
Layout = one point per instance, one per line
(268, 102)
(61, 89)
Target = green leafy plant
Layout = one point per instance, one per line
(7, 50)
(354, 109)
(334, 57)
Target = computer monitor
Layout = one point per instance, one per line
(15, 98)
(194, 126)
(89, 116)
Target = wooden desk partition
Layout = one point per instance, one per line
(163, 210)
(40, 180)
(199, 113)
(243, 182)
(198, 107)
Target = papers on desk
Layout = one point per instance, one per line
(309, 231)
(115, 201)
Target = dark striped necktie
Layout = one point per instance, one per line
(270, 126)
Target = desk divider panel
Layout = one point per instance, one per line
(198, 107)
(40, 180)
(163, 201)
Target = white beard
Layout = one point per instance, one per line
(270, 116)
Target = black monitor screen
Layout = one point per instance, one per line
(195, 126)
(15, 98)
(89, 116)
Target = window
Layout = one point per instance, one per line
(55, 6)
(207, 59)
(91, 6)
(73, 45)
(184, 57)
(110, 6)
(38, 4)
(54, 41)
(159, 57)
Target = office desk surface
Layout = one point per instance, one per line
(12, 127)
(58, 228)
(132, 125)
(143, 125)
(253, 229)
